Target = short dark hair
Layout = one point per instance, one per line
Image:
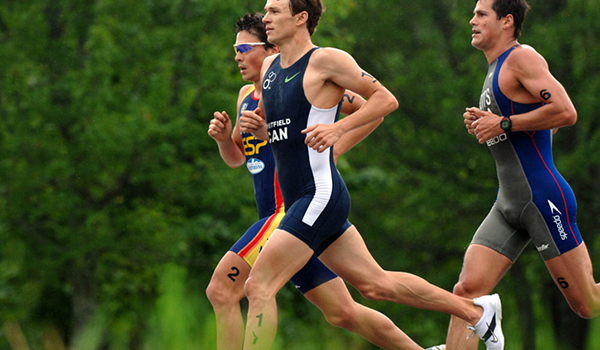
(314, 8)
(253, 24)
(517, 8)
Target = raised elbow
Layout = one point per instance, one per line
(570, 117)
(393, 104)
(235, 163)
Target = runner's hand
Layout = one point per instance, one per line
(220, 127)
(487, 125)
(253, 122)
(321, 136)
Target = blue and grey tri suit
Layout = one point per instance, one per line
(534, 201)
(315, 196)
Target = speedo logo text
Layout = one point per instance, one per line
(557, 220)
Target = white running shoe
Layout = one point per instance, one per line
(489, 327)
(437, 347)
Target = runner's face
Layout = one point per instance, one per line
(486, 25)
(278, 20)
(250, 62)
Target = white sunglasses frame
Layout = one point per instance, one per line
(235, 46)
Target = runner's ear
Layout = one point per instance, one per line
(508, 21)
(302, 18)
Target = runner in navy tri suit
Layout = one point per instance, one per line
(302, 89)
(521, 105)
(318, 284)
(316, 196)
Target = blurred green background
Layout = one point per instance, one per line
(115, 205)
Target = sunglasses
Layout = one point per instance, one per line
(245, 48)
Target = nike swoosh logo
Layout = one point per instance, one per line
(494, 338)
(287, 79)
(490, 333)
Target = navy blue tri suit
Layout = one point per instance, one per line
(316, 198)
(534, 201)
(269, 202)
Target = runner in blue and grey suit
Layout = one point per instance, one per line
(534, 202)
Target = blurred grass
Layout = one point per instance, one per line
(182, 320)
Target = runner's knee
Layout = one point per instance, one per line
(343, 317)
(469, 289)
(255, 291)
(583, 309)
(216, 294)
(219, 295)
(374, 290)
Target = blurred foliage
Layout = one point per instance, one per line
(107, 175)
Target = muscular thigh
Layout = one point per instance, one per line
(482, 269)
(281, 258)
(330, 296)
(350, 258)
(573, 272)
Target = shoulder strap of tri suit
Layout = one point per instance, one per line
(250, 90)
